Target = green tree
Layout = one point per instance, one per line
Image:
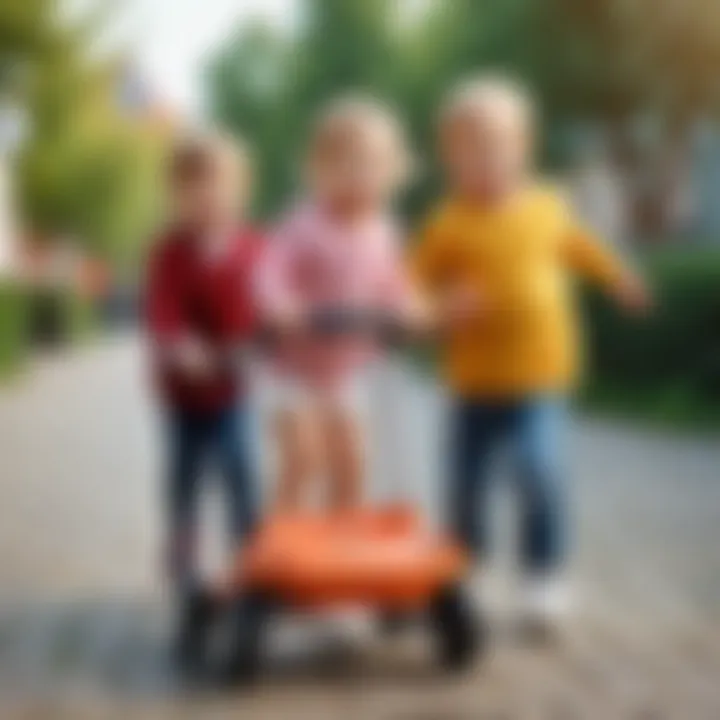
(87, 170)
(25, 27)
(250, 94)
(607, 62)
(267, 86)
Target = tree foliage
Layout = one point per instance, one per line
(608, 61)
(86, 172)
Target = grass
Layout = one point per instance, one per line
(13, 328)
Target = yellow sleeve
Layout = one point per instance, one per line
(592, 259)
(431, 258)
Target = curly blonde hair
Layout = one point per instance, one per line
(355, 115)
(194, 156)
(484, 92)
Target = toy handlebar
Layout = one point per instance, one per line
(336, 322)
(387, 328)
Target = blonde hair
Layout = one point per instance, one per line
(349, 115)
(194, 156)
(482, 92)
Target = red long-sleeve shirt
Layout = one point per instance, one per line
(191, 293)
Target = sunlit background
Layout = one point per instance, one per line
(92, 94)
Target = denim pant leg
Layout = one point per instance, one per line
(475, 429)
(539, 427)
(186, 446)
(233, 450)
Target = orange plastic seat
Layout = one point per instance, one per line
(383, 556)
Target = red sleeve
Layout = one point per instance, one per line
(250, 311)
(164, 318)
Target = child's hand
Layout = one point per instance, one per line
(633, 295)
(288, 319)
(460, 306)
(418, 315)
(194, 359)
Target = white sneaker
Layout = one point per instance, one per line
(545, 603)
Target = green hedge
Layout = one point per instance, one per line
(664, 367)
(59, 315)
(13, 327)
(40, 317)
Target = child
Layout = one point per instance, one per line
(498, 255)
(198, 308)
(335, 250)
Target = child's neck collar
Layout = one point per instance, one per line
(490, 201)
(349, 217)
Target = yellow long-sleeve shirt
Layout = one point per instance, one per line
(520, 257)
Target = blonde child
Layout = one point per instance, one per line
(498, 255)
(337, 249)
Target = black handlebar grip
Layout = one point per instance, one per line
(330, 323)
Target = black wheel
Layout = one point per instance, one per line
(197, 612)
(394, 622)
(246, 631)
(460, 635)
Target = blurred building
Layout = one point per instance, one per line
(138, 100)
(13, 130)
(599, 196)
(705, 183)
(648, 188)
(8, 227)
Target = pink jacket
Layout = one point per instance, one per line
(312, 262)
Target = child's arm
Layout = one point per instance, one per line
(162, 312)
(431, 257)
(433, 269)
(396, 291)
(165, 320)
(274, 291)
(590, 258)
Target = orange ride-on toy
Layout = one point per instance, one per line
(385, 558)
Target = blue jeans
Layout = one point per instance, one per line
(534, 427)
(195, 440)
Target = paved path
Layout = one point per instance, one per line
(81, 621)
